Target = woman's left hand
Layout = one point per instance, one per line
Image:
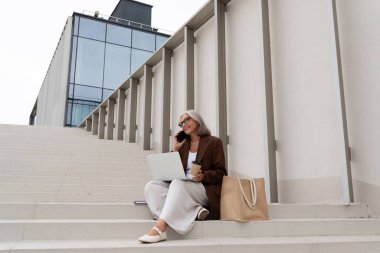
(198, 177)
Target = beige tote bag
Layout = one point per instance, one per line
(243, 199)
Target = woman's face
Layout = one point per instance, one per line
(189, 125)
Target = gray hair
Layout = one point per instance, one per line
(203, 129)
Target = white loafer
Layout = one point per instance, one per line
(202, 214)
(154, 238)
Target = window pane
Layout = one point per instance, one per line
(88, 93)
(77, 114)
(138, 58)
(71, 90)
(106, 93)
(160, 40)
(92, 29)
(90, 59)
(68, 110)
(117, 65)
(76, 25)
(77, 110)
(143, 40)
(119, 35)
(73, 57)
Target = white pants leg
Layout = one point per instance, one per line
(177, 203)
(155, 196)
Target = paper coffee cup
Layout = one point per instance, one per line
(195, 168)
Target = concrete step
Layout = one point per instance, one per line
(86, 172)
(38, 197)
(40, 143)
(72, 170)
(71, 188)
(68, 161)
(18, 130)
(14, 230)
(136, 178)
(79, 156)
(28, 151)
(72, 166)
(315, 244)
(73, 211)
(131, 211)
(64, 190)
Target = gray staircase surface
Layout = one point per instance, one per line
(64, 190)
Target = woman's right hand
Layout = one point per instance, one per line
(177, 145)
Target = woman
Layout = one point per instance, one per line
(179, 203)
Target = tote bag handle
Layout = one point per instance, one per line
(252, 186)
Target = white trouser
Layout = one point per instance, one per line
(177, 203)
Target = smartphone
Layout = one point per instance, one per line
(181, 136)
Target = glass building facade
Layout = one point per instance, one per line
(103, 55)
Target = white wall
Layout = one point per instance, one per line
(178, 87)
(246, 89)
(307, 116)
(157, 101)
(52, 96)
(127, 115)
(140, 111)
(360, 39)
(205, 74)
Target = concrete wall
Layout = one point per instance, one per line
(52, 96)
(360, 40)
(157, 100)
(205, 101)
(246, 94)
(306, 96)
(178, 89)
(310, 152)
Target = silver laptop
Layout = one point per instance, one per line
(166, 166)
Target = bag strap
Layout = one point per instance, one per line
(252, 186)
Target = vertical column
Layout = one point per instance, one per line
(219, 15)
(166, 59)
(120, 114)
(189, 62)
(132, 109)
(95, 123)
(348, 192)
(102, 122)
(147, 107)
(88, 124)
(110, 118)
(271, 141)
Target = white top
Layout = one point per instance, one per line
(191, 158)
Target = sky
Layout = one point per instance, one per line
(30, 31)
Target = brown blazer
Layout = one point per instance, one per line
(211, 156)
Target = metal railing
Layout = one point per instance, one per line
(135, 24)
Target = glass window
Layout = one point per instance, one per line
(143, 40)
(78, 114)
(73, 57)
(117, 66)
(71, 90)
(160, 40)
(77, 110)
(90, 61)
(106, 93)
(119, 35)
(76, 25)
(92, 29)
(88, 93)
(138, 58)
(68, 115)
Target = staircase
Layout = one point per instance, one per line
(64, 190)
